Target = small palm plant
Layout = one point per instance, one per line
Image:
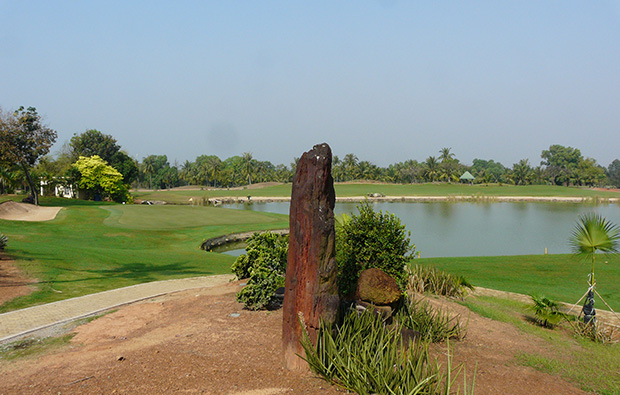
(3, 241)
(593, 234)
(547, 311)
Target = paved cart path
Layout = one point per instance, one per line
(18, 323)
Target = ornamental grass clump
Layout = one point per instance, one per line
(367, 357)
(430, 279)
(430, 324)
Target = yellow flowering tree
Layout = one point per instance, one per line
(100, 179)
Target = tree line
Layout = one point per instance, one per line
(25, 143)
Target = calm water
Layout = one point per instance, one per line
(478, 229)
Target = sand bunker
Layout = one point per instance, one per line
(27, 212)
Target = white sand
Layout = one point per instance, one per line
(27, 212)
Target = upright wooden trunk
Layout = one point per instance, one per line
(311, 288)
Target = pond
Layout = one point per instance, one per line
(479, 229)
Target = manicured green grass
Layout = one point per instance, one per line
(591, 366)
(181, 196)
(559, 277)
(89, 249)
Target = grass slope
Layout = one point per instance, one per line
(591, 366)
(89, 249)
(560, 277)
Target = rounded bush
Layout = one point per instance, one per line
(371, 240)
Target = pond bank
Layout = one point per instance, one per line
(421, 199)
(207, 245)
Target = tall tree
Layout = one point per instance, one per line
(93, 142)
(431, 169)
(521, 172)
(248, 166)
(445, 154)
(100, 180)
(561, 163)
(23, 140)
(613, 173)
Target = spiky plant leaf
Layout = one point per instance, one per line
(594, 233)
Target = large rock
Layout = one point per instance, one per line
(377, 287)
(311, 291)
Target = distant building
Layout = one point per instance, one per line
(61, 189)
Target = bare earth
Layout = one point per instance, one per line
(194, 342)
(12, 281)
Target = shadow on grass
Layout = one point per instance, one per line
(133, 272)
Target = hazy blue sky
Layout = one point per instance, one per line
(386, 80)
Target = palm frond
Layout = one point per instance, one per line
(594, 233)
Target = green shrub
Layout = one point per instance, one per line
(264, 265)
(3, 241)
(367, 357)
(430, 279)
(371, 240)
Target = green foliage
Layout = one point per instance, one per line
(264, 264)
(93, 142)
(546, 311)
(594, 233)
(23, 140)
(98, 178)
(367, 357)
(371, 240)
(4, 240)
(432, 325)
(430, 279)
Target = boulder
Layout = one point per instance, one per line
(311, 291)
(377, 287)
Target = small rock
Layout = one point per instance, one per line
(120, 358)
(234, 315)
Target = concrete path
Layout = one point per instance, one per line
(18, 323)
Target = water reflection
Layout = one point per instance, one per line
(476, 229)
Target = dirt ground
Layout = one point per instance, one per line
(12, 281)
(203, 341)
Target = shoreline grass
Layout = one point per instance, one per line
(560, 277)
(182, 196)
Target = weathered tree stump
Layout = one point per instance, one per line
(311, 291)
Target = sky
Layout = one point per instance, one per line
(386, 80)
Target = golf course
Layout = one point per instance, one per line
(94, 246)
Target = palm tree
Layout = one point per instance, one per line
(446, 155)
(148, 168)
(594, 233)
(248, 166)
(214, 164)
(431, 168)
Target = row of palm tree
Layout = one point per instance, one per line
(156, 172)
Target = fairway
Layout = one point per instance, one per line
(90, 248)
(178, 217)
